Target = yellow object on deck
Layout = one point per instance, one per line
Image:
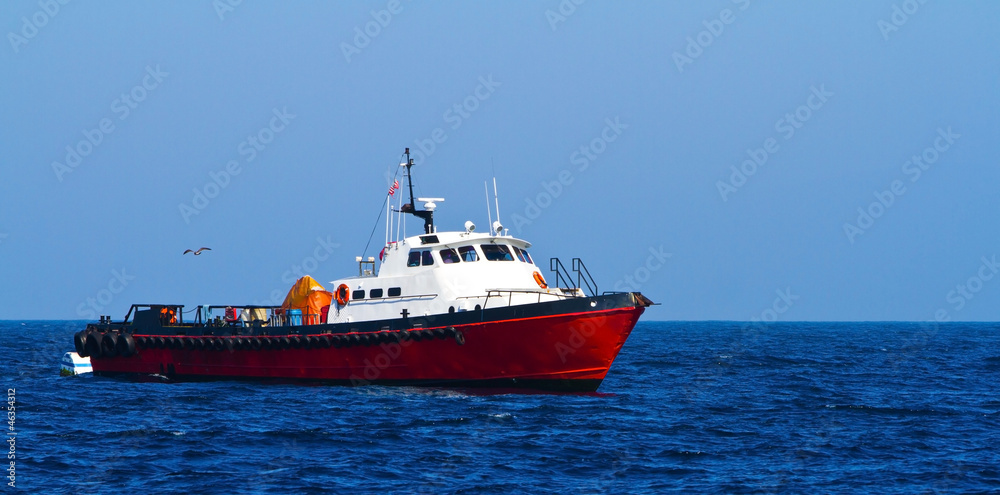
(310, 297)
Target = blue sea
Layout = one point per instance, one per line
(693, 407)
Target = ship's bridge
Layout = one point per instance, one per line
(447, 272)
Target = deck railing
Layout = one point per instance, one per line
(582, 279)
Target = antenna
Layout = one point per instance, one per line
(388, 209)
(495, 198)
(388, 217)
(489, 213)
(496, 227)
(400, 219)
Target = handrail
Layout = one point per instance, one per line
(583, 276)
(240, 306)
(556, 266)
(510, 295)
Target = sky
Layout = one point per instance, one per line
(730, 159)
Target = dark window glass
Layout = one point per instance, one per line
(375, 293)
(468, 253)
(358, 294)
(414, 259)
(527, 256)
(496, 252)
(519, 253)
(426, 258)
(449, 256)
(394, 291)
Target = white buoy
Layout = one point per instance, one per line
(73, 364)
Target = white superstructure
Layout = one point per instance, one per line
(441, 272)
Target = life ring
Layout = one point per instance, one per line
(540, 281)
(343, 294)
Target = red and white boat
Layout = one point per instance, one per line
(454, 309)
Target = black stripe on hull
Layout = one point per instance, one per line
(552, 308)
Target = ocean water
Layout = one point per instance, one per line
(704, 407)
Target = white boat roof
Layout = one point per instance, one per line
(447, 239)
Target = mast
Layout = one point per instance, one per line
(427, 215)
(409, 176)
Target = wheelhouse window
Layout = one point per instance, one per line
(522, 254)
(395, 291)
(358, 294)
(413, 259)
(497, 252)
(418, 258)
(449, 256)
(375, 293)
(527, 257)
(468, 253)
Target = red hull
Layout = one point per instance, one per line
(573, 349)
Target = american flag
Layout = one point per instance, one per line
(392, 189)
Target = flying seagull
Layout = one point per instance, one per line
(196, 253)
